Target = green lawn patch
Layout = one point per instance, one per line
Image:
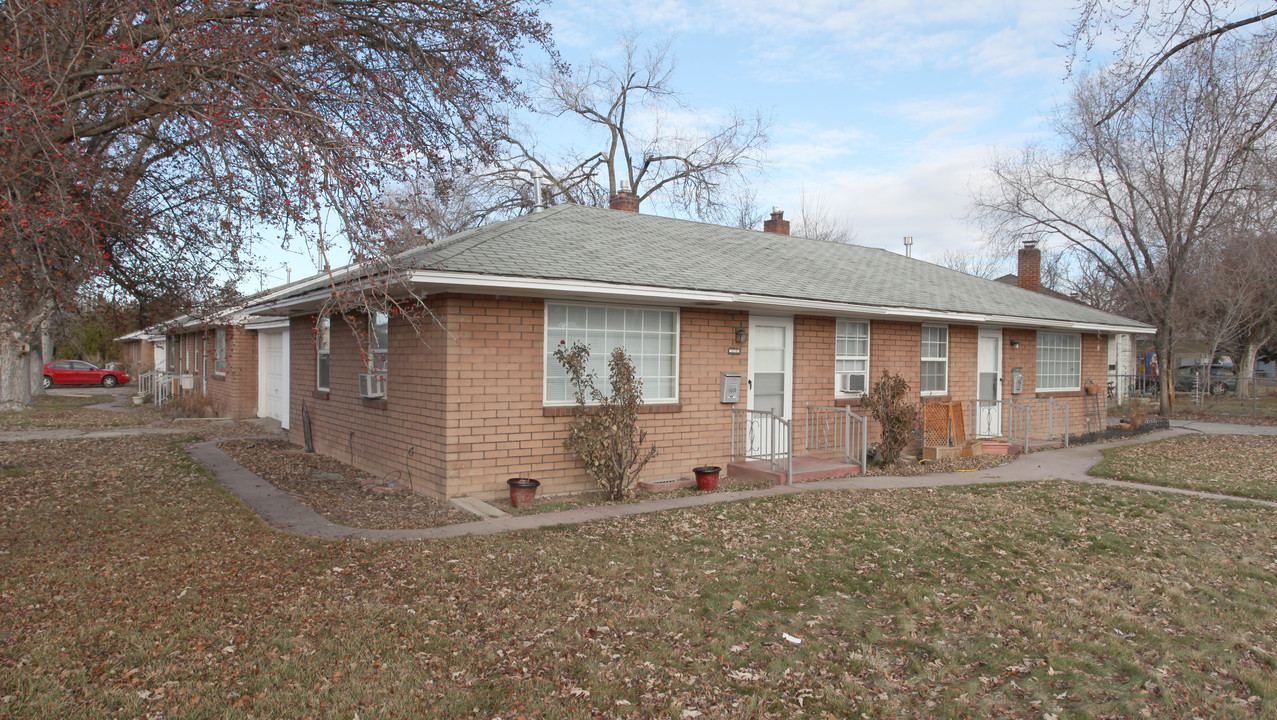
(134, 586)
(1242, 465)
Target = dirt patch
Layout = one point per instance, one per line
(595, 498)
(332, 489)
(912, 468)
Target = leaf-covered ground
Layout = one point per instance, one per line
(56, 412)
(1243, 465)
(331, 488)
(134, 587)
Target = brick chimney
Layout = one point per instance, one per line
(625, 200)
(1028, 274)
(778, 224)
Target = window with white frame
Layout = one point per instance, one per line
(323, 340)
(219, 350)
(378, 342)
(851, 357)
(648, 336)
(935, 360)
(1059, 361)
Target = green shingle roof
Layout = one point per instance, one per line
(573, 242)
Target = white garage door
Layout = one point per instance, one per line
(272, 374)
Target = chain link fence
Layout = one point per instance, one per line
(1198, 390)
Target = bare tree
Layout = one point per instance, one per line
(818, 222)
(980, 264)
(1232, 291)
(1138, 194)
(1149, 33)
(640, 133)
(144, 141)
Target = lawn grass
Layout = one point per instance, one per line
(1242, 465)
(57, 412)
(134, 586)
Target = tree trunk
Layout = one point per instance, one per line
(1165, 372)
(1246, 374)
(15, 381)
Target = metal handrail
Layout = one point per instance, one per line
(751, 448)
(837, 429)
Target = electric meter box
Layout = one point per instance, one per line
(1017, 381)
(731, 387)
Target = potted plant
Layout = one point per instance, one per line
(522, 490)
(707, 477)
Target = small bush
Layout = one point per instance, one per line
(189, 405)
(889, 403)
(604, 431)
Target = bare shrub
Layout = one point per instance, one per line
(604, 431)
(888, 402)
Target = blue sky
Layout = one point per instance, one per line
(887, 111)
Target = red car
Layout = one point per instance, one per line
(78, 372)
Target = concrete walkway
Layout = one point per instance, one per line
(27, 435)
(283, 512)
(1224, 428)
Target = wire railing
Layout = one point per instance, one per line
(836, 431)
(763, 435)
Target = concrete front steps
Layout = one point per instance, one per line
(806, 467)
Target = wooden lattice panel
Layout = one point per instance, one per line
(958, 423)
(935, 424)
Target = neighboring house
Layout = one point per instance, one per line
(478, 397)
(141, 352)
(238, 361)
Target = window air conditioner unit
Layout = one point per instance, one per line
(853, 383)
(372, 385)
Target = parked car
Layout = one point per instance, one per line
(78, 372)
(1222, 379)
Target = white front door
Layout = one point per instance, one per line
(272, 374)
(989, 383)
(771, 342)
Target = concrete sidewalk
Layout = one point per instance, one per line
(283, 512)
(28, 435)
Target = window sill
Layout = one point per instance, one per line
(570, 410)
(375, 403)
(221, 376)
(849, 401)
(1059, 393)
(320, 394)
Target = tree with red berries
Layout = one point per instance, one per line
(145, 143)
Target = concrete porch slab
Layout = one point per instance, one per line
(475, 506)
(806, 468)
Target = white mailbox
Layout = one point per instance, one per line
(731, 387)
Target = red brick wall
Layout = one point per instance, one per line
(501, 429)
(400, 438)
(464, 408)
(233, 392)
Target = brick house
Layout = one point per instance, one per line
(217, 357)
(477, 397)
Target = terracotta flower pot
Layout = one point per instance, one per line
(522, 490)
(707, 477)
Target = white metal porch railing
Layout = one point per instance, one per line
(146, 384)
(762, 435)
(836, 430)
(1002, 418)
